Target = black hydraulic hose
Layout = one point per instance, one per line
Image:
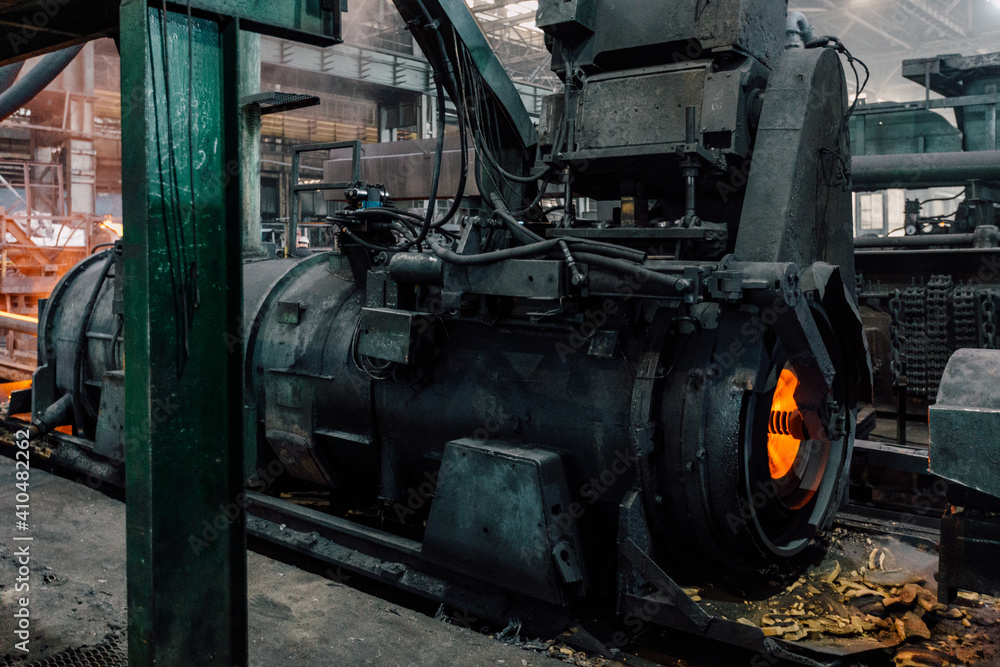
(629, 268)
(8, 75)
(515, 227)
(36, 80)
(530, 178)
(425, 228)
(521, 234)
(546, 179)
(392, 213)
(538, 197)
(447, 81)
(463, 141)
(373, 246)
(596, 247)
(495, 256)
(433, 26)
(606, 249)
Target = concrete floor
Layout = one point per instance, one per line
(78, 595)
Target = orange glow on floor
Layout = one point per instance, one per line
(8, 388)
(782, 446)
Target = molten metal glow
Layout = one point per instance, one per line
(782, 446)
(7, 388)
(115, 227)
(18, 316)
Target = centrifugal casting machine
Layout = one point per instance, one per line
(589, 399)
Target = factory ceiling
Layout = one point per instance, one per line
(881, 32)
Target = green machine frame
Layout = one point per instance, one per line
(182, 299)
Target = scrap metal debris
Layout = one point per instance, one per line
(890, 605)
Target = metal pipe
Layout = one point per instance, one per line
(880, 172)
(19, 323)
(416, 269)
(901, 411)
(57, 414)
(691, 124)
(36, 80)
(798, 32)
(292, 232)
(690, 166)
(922, 241)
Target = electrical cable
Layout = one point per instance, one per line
(178, 229)
(425, 228)
(928, 201)
(463, 141)
(829, 41)
(160, 181)
(479, 103)
(530, 178)
(441, 82)
(193, 269)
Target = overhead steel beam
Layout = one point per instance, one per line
(508, 22)
(492, 7)
(33, 27)
(878, 31)
(932, 17)
(839, 10)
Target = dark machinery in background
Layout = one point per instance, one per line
(933, 290)
(928, 299)
(594, 403)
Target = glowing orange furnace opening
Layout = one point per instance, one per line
(785, 430)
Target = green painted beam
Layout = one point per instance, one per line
(33, 27)
(311, 21)
(183, 393)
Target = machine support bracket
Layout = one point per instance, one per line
(652, 573)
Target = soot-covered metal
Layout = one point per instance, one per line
(593, 403)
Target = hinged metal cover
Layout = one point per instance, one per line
(504, 513)
(387, 334)
(965, 421)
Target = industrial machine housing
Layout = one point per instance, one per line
(594, 402)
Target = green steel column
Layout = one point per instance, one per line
(249, 84)
(186, 539)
